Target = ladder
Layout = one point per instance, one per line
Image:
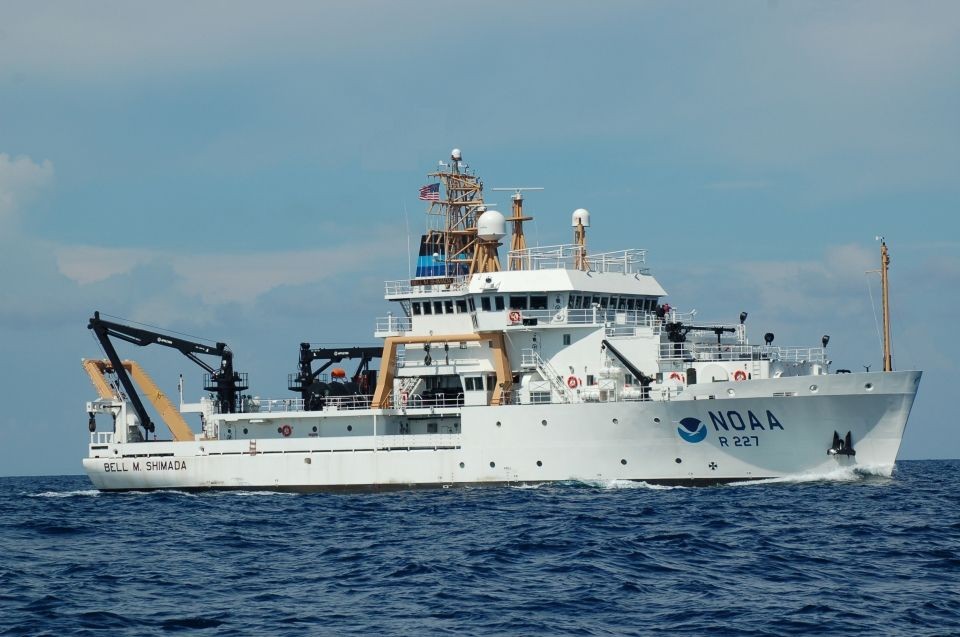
(531, 359)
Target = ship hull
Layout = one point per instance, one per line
(717, 433)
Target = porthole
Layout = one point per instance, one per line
(498, 423)
(307, 461)
(623, 461)
(543, 422)
(731, 393)
(868, 386)
(314, 429)
(678, 460)
(616, 421)
(279, 430)
(657, 420)
(813, 388)
(493, 464)
(539, 463)
(462, 465)
(349, 427)
(244, 430)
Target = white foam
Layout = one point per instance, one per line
(65, 494)
(628, 484)
(840, 474)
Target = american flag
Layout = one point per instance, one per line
(430, 192)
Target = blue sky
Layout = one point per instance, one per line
(241, 172)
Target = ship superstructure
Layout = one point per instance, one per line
(510, 364)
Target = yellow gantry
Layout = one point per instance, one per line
(168, 413)
(382, 396)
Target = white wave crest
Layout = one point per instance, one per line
(65, 494)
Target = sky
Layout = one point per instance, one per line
(248, 172)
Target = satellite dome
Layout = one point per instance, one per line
(491, 226)
(455, 154)
(581, 215)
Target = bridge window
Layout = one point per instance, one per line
(462, 306)
(538, 302)
(498, 302)
(416, 308)
(622, 303)
(485, 303)
(604, 301)
(518, 302)
(426, 308)
(566, 339)
(431, 427)
(438, 307)
(448, 307)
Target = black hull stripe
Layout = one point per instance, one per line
(387, 487)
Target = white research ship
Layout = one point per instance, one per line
(555, 365)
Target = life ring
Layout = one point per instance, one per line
(286, 430)
(514, 317)
(404, 397)
(739, 375)
(677, 376)
(573, 382)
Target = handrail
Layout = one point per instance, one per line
(406, 287)
(697, 351)
(394, 324)
(564, 257)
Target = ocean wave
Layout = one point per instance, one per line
(82, 493)
(591, 557)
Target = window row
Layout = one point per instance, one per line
(450, 306)
(619, 303)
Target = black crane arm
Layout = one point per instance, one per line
(303, 381)
(224, 381)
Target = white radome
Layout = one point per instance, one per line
(581, 216)
(491, 226)
(455, 154)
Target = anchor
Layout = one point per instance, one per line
(842, 447)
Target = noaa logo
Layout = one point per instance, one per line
(692, 430)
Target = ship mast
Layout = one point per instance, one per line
(884, 283)
(456, 215)
(518, 243)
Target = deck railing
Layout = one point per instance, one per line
(697, 351)
(564, 257)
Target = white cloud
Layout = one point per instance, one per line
(238, 277)
(20, 179)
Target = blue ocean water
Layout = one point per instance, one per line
(840, 554)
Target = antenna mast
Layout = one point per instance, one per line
(884, 283)
(457, 216)
(518, 243)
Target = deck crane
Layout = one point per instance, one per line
(223, 381)
(307, 382)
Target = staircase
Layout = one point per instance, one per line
(530, 359)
